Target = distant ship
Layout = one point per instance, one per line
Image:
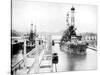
(70, 41)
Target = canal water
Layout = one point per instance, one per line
(73, 62)
(69, 62)
(16, 58)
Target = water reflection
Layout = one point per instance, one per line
(17, 57)
(73, 62)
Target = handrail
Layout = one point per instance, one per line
(22, 60)
(30, 52)
(17, 64)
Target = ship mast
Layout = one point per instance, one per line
(67, 19)
(31, 28)
(31, 33)
(72, 16)
(35, 29)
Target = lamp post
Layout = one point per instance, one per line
(24, 53)
(37, 56)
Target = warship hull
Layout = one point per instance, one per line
(74, 48)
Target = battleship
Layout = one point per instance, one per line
(70, 41)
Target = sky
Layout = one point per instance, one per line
(51, 17)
